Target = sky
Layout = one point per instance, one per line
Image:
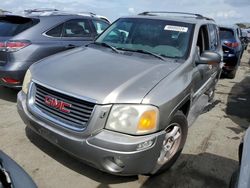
(223, 11)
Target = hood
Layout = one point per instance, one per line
(102, 75)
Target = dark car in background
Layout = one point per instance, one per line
(12, 175)
(41, 33)
(232, 49)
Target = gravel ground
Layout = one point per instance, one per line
(209, 158)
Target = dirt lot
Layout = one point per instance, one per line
(208, 159)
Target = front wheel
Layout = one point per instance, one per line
(173, 143)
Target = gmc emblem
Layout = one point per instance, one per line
(60, 105)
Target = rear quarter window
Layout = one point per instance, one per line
(56, 31)
(13, 25)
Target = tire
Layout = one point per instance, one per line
(180, 120)
(232, 74)
(234, 179)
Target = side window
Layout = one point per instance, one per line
(100, 26)
(213, 35)
(203, 39)
(76, 28)
(56, 31)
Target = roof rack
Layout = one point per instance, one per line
(86, 13)
(94, 15)
(49, 12)
(152, 13)
(37, 10)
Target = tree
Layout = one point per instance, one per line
(241, 25)
(4, 11)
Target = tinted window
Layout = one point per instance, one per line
(13, 25)
(55, 32)
(76, 28)
(100, 26)
(162, 37)
(226, 34)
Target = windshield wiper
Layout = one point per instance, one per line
(144, 52)
(106, 45)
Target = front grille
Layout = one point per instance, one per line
(78, 113)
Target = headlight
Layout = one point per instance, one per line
(26, 81)
(133, 119)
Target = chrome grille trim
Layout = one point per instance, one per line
(80, 111)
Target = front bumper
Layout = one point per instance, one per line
(108, 151)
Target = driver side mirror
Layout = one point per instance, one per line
(209, 58)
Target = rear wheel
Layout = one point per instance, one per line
(175, 138)
(234, 179)
(232, 74)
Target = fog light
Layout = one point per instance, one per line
(113, 164)
(145, 145)
(119, 162)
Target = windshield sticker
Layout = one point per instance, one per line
(175, 28)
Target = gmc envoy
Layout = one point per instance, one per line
(123, 103)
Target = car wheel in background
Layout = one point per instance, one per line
(234, 179)
(232, 73)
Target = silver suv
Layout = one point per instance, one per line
(124, 103)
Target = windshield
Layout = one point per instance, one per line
(162, 37)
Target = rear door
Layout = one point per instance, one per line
(77, 32)
(51, 43)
